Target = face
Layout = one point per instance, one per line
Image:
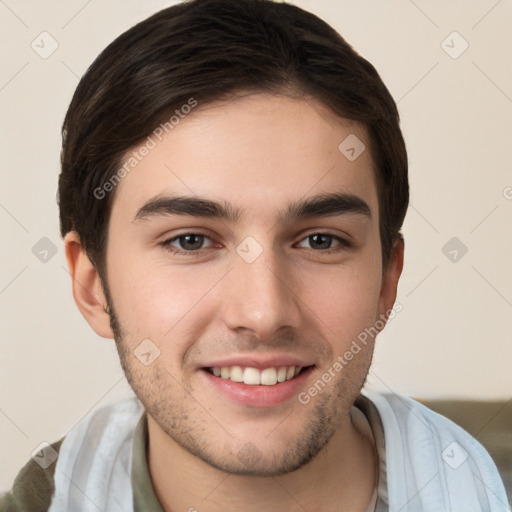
(244, 249)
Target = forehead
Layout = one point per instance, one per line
(257, 151)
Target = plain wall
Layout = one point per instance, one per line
(452, 338)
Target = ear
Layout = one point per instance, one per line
(87, 288)
(390, 278)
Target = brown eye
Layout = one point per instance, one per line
(191, 242)
(320, 241)
(323, 242)
(188, 242)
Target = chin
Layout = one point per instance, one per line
(260, 457)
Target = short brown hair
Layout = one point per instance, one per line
(208, 50)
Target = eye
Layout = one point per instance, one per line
(323, 242)
(186, 243)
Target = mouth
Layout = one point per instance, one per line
(256, 381)
(271, 376)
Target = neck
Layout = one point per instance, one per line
(341, 477)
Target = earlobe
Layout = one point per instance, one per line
(391, 277)
(87, 287)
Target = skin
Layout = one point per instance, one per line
(260, 153)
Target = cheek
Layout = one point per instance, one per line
(345, 302)
(156, 301)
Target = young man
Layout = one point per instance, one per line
(233, 185)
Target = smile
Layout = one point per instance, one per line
(255, 377)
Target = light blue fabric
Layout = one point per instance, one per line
(432, 464)
(94, 464)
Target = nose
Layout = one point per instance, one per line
(260, 297)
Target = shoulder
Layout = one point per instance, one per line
(428, 454)
(103, 430)
(407, 419)
(33, 487)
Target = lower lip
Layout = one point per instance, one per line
(259, 396)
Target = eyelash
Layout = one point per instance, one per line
(343, 244)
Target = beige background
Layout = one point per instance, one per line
(452, 338)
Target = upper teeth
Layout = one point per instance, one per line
(254, 377)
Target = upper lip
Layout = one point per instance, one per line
(260, 362)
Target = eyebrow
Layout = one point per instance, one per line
(324, 205)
